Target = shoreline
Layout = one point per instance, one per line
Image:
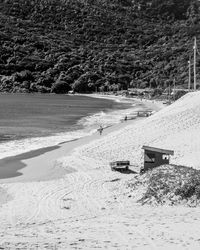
(86, 125)
(26, 167)
(156, 104)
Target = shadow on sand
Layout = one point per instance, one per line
(10, 166)
(128, 171)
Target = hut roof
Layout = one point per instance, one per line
(159, 150)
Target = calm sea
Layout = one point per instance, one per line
(32, 121)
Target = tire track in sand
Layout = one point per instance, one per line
(89, 196)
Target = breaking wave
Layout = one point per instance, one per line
(88, 125)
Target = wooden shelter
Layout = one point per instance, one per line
(144, 113)
(154, 157)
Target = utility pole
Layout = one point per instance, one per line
(169, 93)
(174, 89)
(189, 79)
(195, 55)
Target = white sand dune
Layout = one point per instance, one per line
(176, 127)
(91, 208)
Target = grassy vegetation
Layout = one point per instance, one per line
(169, 184)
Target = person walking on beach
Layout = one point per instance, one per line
(100, 130)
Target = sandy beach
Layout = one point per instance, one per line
(27, 166)
(81, 204)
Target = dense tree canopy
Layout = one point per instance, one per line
(57, 45)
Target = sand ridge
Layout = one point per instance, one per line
(175, 127)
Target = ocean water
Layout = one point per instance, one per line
(29, 122)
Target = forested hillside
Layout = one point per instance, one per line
(87, 45)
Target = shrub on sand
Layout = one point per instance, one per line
(169, 184)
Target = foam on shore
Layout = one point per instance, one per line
(89, 125)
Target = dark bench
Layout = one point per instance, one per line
(119, 165)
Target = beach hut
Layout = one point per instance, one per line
(154, 157)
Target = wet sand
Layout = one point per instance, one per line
(42, 164)
(10, 166)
